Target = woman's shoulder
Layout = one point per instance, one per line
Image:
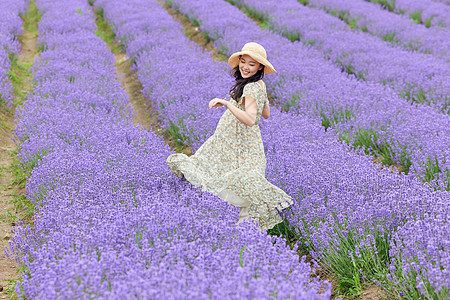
(255, 85)
(262, 84)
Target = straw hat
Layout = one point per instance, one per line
(257, 52)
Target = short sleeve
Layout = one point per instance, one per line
(253, 89)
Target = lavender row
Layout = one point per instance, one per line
(428, 12)
(394, 28)
(338, 192)
(417, 77)
(365, 114)
(111, 221)
(10, 30)
(443, 1)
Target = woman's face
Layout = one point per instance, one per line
(248, 66)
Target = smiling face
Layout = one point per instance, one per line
(248, 66)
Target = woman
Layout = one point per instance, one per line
(231, 163)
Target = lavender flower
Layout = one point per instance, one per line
(365, 114)
(427, 12)
(10, 30)
(397, 29)
(339, 192)
(111, 221)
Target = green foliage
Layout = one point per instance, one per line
(24, 208)
(32, 162)
(263, 25)
(291, 103)
(19, 71)
(292, 35)
(428, 22)
(311, 42)
(353, 24)
(193, 20)
(99, 12)
(433, 171)
(285, 230)
(19, 172)
(174, 131)
(11, 289)
(414, 94)
(105, 32)
(256, 15)
(337, 115)
(355, 261)
(241, 259)
(416, 16)
(138, 238)
(21, 78)
(42, 47)
(446, 106)
(206, 36)
(389, 37)
(368, 139)
(415, 44)
(262, 18)
(348, 66)
(343, 15)
(409, 281)
(304, 2)
(388, 4)
(18, 75)
(31, 18)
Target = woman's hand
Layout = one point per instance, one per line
(217, 102)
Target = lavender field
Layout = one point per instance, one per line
(357, 83)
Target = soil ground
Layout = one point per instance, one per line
(10, 189)
(143, 113)
(8, 268)
(142, 109)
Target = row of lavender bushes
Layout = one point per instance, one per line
(365, 114)
(10, 30)
(398, 29)
(418, 77)
(351, 216)
(428, 12)
(111, 221)
(443, 1)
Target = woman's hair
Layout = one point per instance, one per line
(238, 88)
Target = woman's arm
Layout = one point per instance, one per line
(248, 117)
(266, 111)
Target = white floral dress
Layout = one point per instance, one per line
(231, 164)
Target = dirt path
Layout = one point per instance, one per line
(7, 193)
(10, 187)
(142, 109)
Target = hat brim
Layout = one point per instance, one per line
(233, 61)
